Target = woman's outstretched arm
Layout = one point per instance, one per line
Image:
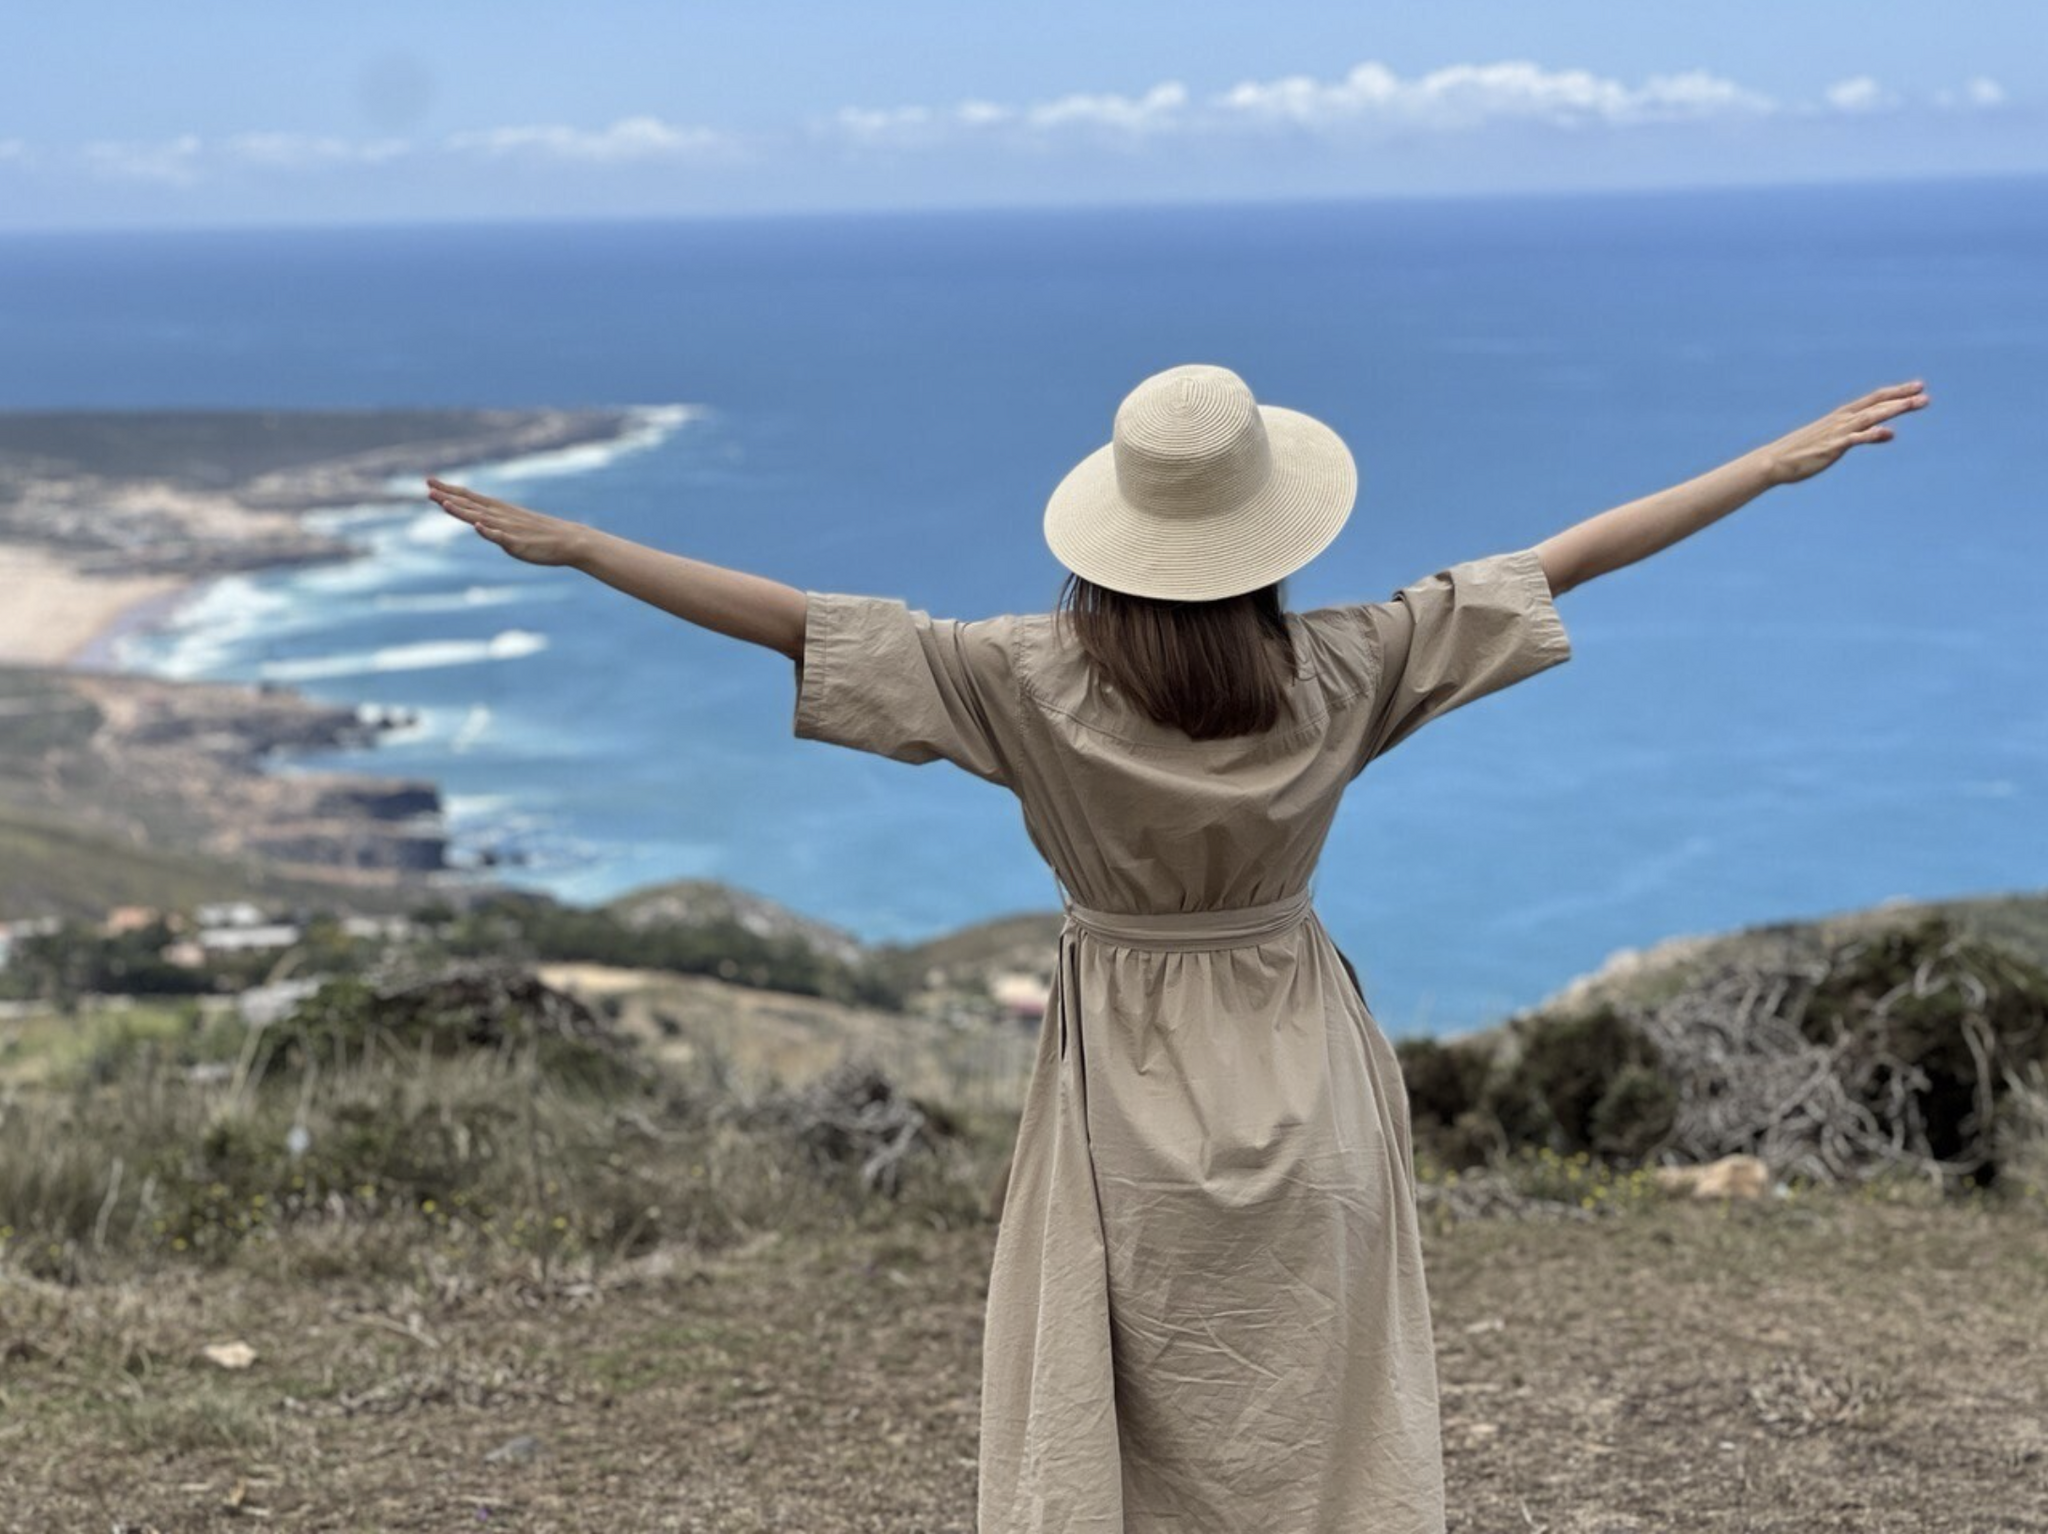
(1634, 531)
(749, 607)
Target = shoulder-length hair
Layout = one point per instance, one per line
(1213, 668)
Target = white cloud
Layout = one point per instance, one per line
(13, 149)
(1860, 93)
(1456, 97)
(184, 160)
(889, 122)
(1460, 95)
(1158, 107)
(1370, 96)
(630, 138)
(295, 149)
(1466, 95)
(1697, 93)
(1979, 91)
(174, 162)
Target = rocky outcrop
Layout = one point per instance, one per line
(183, 764)
(227, 722)
(379, 799)
(348, 844)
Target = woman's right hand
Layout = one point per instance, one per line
(533, 536)
(1804, 453)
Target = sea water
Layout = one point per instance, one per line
(1830, 698)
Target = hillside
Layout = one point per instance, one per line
(2017, 920)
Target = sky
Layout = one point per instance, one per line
(206, 113)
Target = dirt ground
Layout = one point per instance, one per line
(1827, 1362)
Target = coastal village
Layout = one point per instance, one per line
(231, 926)
(212, 943)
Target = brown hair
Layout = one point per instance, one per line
(1212, 668)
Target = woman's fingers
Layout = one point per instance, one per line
(467, 494)
(1866, 416)
(458, 498)
(1871, 415)
(1806, 452)
(464, 504)
(1888, 392)
(520, 531)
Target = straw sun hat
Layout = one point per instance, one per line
(1201, 492)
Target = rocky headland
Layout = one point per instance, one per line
(200, 493)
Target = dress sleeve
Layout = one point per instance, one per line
(1440, 642)
(878, 675)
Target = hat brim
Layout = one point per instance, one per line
(1296, 514)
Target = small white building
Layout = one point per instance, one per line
(229, 913)
(12, 932)
(223, 939)
(1021, 996)
(129, 918)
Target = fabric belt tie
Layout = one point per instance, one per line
(1232, 927)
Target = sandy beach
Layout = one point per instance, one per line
(55, 615)
(108, 518)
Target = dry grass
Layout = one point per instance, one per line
(754, 1041)
(779, 1350)
(124, 1165)
(1834, 1361)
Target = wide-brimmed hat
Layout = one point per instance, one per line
(1201, 491)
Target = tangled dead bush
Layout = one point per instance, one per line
(1918, 1049)
(853, 1116)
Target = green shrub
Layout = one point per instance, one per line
(1443, 1080)
(1634, 1115)
(384, 1148)
(534, 928)
(1588, 1082)
(1547, 1096)
(487, 1010)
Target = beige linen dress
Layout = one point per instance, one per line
(1207, 1312)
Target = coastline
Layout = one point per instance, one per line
(58, 615)
(136, 614)
(101, 546)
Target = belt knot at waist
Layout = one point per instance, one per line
(1231, 927)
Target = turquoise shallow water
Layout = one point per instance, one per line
(1829, 698)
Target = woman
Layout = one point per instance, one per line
(1207, 1308)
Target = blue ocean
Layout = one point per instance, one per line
(1832, 697)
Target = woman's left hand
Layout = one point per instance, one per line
(533, 536)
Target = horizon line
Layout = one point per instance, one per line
(1025, 207)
